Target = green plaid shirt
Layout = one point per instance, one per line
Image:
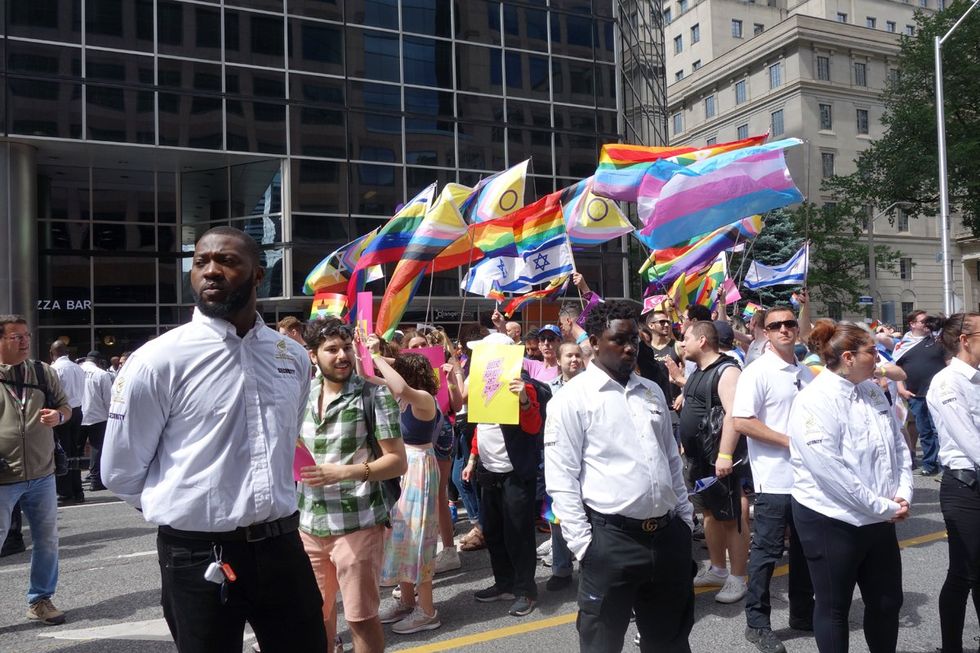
(341, 439)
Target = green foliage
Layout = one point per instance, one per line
(903, 165)
(774, 245)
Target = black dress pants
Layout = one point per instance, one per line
(275, 592)
(841, 556)
(94, 434)
(507, 513)
(647, 573)
(961, 511)
(69, 436)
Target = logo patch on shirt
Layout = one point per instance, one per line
(282, 351)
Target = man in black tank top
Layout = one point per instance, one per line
(652, 357)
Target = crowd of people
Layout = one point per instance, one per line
(283, 470)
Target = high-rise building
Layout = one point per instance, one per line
(816, 71)
(130, 126)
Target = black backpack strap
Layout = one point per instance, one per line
(42, 383)
(368, 393)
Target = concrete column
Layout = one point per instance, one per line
(18, 230)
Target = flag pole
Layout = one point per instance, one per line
(469, 266)
(428, 303)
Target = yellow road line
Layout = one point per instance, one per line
(569, 618)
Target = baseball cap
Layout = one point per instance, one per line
(726, 336)
(551, 328)
(94, 355)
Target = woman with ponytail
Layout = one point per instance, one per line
(954, 403)
(852, 481)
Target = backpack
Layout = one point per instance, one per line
(391, 489)
(708, 435)
(60, 457)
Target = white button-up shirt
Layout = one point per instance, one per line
(849, 457)
(766, 390)
(954, 405)
(72, 380)
(612, 449)
(98, 394)
(203, 426)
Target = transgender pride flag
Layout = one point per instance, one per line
(706, 195)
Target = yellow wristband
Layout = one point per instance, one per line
(725, 456)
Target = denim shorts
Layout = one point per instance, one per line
(444, 441)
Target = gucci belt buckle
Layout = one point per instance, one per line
(649, 525)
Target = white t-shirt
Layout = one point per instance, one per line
(766, 390)
(493, 449)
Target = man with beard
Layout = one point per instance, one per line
(201, 437)
(615, 474)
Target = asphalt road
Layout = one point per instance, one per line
(109, 588)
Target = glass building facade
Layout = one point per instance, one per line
(134, 125)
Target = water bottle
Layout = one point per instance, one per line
(453, 511)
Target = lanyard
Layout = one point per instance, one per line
(22, 397)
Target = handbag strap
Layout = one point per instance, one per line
(368, 393)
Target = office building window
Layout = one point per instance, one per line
(714, 139)
(860, 74)
(695, 33)
(902, 221)
(924, 3)
(841, 17)
(907, 307)
(742, 131)
(682, 5)
(678, 123)
(678, 44)
(870, 22)
(740, 95)
(696, 65)
(890, 26)
(709, 106)
(823, 68)
(905, 274)
(893, 76)
(862, 121)
(827, 164)
(667, 17)
(910, 30)
(758, 28)
(775, 75)
(776, 124)
(826, 116)
(679, 75)
(736, 28)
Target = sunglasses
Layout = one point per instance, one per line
(776, 326)
(661, 322)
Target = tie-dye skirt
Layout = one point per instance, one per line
(410, 543)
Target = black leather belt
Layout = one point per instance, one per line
(253, 533)
(646, 526)
(967, 477)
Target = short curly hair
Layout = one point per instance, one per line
(604, 313)
(322, 328)
(417, 372)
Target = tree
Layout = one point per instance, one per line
(838, 253)
(902, 166)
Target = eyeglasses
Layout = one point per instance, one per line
(20, 337)
(776, 326)
(660, 322)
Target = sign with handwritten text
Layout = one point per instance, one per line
(491, 370)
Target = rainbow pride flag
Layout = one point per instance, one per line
(551, 291)
(750, 310)
(591, 220)
(324, 278)
(441, 225)
(703, 197)
(328, 304)
(663, 266)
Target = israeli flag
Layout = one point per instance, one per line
(792, 272)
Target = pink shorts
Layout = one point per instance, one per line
(350, 563)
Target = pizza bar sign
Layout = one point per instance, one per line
(64, 305)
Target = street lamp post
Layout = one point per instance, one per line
(872, 273)
(943, 179)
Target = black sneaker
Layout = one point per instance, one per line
(522, 607)
(493, 593)
(558, 583)
(12, 546)
(765, 640)
(801, 623)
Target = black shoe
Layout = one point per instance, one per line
(765, 640)
(801, 623)
(493, 593)
(12, 546)
(522, 607)
(558, 583)
(928, 472)
(97, 486)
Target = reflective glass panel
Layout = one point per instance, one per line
(478, 21)
(190, 121)
(431, 17)
(120, 115)
(189, 30)
(373, 55)
(318, 132)
(50, 20)
(376, 189)
(478, 69)
(375, 137)
(256, 126)
(44, 108)
(318, 186)
(123, 24)
(255, 39)
(427, 62)
(316, 47)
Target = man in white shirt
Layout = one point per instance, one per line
(69, 434)
(95, 413)
(615, 474)
(763, 398)
(202, 433)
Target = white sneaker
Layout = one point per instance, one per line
(708, 577)
(416, 622)
(733, 591)
(544, 549)
(396, 613)
(447, 560)
(547, 560)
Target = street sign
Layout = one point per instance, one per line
(865, 300)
